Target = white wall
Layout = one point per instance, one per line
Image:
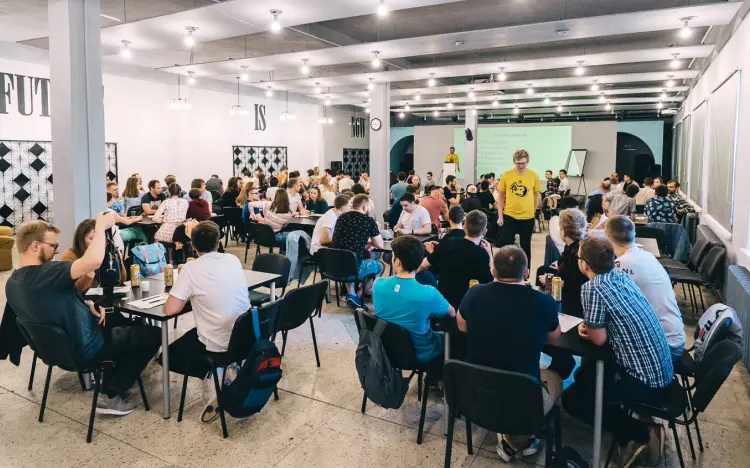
(431, 144)
(338, 135)
(735, 55)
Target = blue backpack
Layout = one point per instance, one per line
(150, 258)
(256, 380)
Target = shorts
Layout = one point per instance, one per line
(369, 268)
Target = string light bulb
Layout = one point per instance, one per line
(516, 110)
(546, 99)
(602, 98)
(474, 111)
(502, 76)
(659, 105)
(406, 107)
(275, 25)
(370, 85)
(382, 9)
(269, 92)
(401, 115)
(595, 86)
(686, 32)
(328, 101)
(608, 106)
(450, 105)
(471, 93)
(431, 82)
(244, 76)
(435, 113)
(189, 39)
(663, 96)
(495, 103)
(559, 108)
(375, 60)
(191, 78)
(675, 63)
(670, 82)
(125, 51)
(417, 97)
(530, 90)
(580, 69)
(304, 68)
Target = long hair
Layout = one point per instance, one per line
(262, 181)
(245, 193)
(595, 207)
(83, 230)
(174, 190)
(280, 203)
(131, 188)
(282, 179)
(318, 197)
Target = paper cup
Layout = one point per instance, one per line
(145, 286)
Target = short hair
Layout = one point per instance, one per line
(214, 176)
(452, 147)
(341, 201)
(548, 171)
(564, 171)
(632, 190)
(402, 176)
(174, 190)
(510, 262)
(411, 188)
(675, 182)
(620, 230)
(328, 171)
(598, 253)
(573, 223)
(359, 200)
(109, 197)
(485, 185)
(520, 154)
(475, 223)
(152, 183)
(456, 214)
(205, 236)
(411, 172)
(339, 172)
(246, 171)
(358, 188)
(606, 179)
(449, 179)
(607, 185)
(291, 182)
(408, 197)
(310, 173)
(648, 181)
(659, 178)
(196, 183)
(491, 175)
(435, 187)
(661, 191)
(168, 180)
(568, 202)
(110, 184)
(294, 174)
(33, 231)
(409, 251)
(614, 180)
(273, 181)
(194, 193)
(429, 173)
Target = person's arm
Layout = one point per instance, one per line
(94, 255)
(159, 215)
(500, 206)
(146, 207)
(425, 265)
(377, 241)
(173, 305)
(126, 221)
(425, 229)
(553, 336)
(537, 200)
(460, 322)
(596, 317)
(326, 236)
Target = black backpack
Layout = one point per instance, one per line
(256, 380)
(108, 273)
(567, 457)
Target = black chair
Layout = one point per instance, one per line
(386, 217)
(55, 348)
(651, 233)
(640, 209)
(340, 266)
(241, 342)
(271, 263)
(215, 196)
(135, 211)
(305, 260)
(263, 236)
(493, 230)
(499, 401)
(299, 306)
(710, 374)
(400, 350)
(33, 370)
(708, 275)
(233, 217)
(697, 252)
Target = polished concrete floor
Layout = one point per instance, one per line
(316, 422)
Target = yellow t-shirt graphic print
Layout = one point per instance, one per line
(520, 190)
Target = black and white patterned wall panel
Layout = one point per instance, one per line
(110, 161)
(26, 180)
(268, 158)
(356, 161)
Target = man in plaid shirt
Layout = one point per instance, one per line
(681, 205)
(617, 313)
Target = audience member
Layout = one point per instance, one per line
(451, 191)
(114, 189)
(229, 197)
(554, 222)
(603, 189)
(400, 299)
(595, 211)
(615, 184)
(396, 209)
(414, 219)
(198, 208)
(249, 193)
(553, 183)
(512, 337)
(564, 188)
(435, 206)
(43, 291)
(276, 214)
(262, 184)
(346, 181)
(419, 190)
(133, 234)
(471, 201)
(200, 185)
(327, 191)
(151, 200)
(646, 192)
(324, 227)
(172, 212)
(295, 200)
(485, 196)
(652, 279)
(617, 313)
(215, 184)
(399, 188)
(273, 187)
(169, 179)
(364, 181)
(456, 220)
(621, 203)
(428, 181)
(681, 205)
(131, 197)
(316, 203)
(660, 209)
(82, 239)
(354, 231)
(658, 180)
(246, 176)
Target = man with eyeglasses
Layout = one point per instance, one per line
(42, 291)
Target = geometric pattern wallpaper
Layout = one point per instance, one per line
(268, 158)
(110, 161)
(356, 160)
(26, 180)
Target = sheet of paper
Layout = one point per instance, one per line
(99, 291)
(149, 302)
(567, 322)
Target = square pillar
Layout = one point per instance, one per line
(469, 161)
(380, 148)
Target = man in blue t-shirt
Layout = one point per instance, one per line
(400, 299)
(507, 323)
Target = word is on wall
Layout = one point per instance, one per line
(359, 127)
(25, 95)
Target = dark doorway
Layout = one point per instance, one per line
(634, 157)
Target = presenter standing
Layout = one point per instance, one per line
(519, 196)
(452, 158)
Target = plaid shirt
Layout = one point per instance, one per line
(553, 185)
(613, 301)
(681, 205)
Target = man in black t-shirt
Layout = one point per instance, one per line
(485, 196)
(507, 323)
(461, 260)
(151, 200)
(354, 231)
(471, 201)
(43, 291)
(450, 191)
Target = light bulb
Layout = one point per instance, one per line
(659, 105)
(401, 115)
(328, 101)
(595, 86)
(529, 90)
(367, 110)
(686, 32)
(417, 97)
(370, 85)
(304, 68)
(189, 40)
(318, 89)
(431, 82)
(495, 103)
(472, 94)
(675, 63)
(275, 25)
(435, 113)
(663, 96)
(559, 108)
(125, 50)
(382, 9)
(502, 76)
(602, 98)
(376, 60)
(516, 110)
(329, 120)
(191, 78)
(406, 107)
(244, 76)
(369, 99)
(670, 83)
(546, 100)
(450, 105)
(580, 69)
(608, 106)
(474, 111)
(269, 92)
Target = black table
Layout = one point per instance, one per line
(306, 224)
(422, 237)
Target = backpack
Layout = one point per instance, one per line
(383, 384)
(717, 323)
(567, 457)
(108, 273)
(150, 258)
(256, 380)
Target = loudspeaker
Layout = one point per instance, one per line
(469, 135)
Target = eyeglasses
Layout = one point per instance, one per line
(54, 246)
(578, 257)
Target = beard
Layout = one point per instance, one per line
(44, 259)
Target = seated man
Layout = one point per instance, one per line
(511, 337)
(485, 196)
(324, 227)
(456, 219)
(462, 260)
(652, 279)
(414, 218)
(199, 184)
(354, 231)
(396, 207)
(435, 206)
(216, 287)
(471, 202)
(616, 312)
(400, 299)
(151, 200)
(554, 222)
(43, 291)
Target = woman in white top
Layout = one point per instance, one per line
(417, 182)
(171, 213)
(327, 191)
(275, 214)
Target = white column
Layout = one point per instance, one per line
(380, 148)
(77, 113)
(469, 160)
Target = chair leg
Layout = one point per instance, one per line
(419, 386)
(247, 247)
(677, 443)
(700, 293)
(276, 394)
(221, 410)
(423, 413)
(283, 344)
(143, 394)
(364, 402)
(182, 398)
(698, 432)
(82, 382)
(315, 342)
(95, 397)
(46, 391)
(338, 295)
(690, 436)
(549, 452)
(449, 438)
(33, 370)
(175, 323)
(684, 294)
(469, 445)
(609, 454)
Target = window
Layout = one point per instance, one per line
(682, 175)
(697, 139)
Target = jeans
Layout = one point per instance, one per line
(523, 227)
(676, 351)
(186, 356)
(369, 267)
(131, 348)
(281, 237)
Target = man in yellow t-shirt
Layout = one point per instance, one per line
(452, 157)
(519, 196)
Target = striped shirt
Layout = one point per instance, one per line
(613, 301)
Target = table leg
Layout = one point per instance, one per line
(598, 403)
(446, 411)
(273, 292)
(165, 367)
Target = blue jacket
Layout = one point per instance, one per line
(676, 240)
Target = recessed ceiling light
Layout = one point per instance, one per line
(125, 51)
(502, 76)
(191, 78)
(304, 68)
(275, 25)
(431, 82)
(686, 32)
(244, 76)
(189, 39)
(382, 9)
(595, 86)
(370, 85)
(269, 92)
(675, 63)
(529, 90)
(546, 99)
(580, 70)
(375, 60)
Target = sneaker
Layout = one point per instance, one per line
(116, 406)
(353, 302)
(210, 412)
(630, 453)
(507, 452)
(655, 444)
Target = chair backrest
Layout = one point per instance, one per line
(215, 196)
(397, 342)
(242, 339)
(712, 371)
(497, 400)
(698, 252)
(651, 233)
(386, 215)
(640, 209)
(263, 234)
(300, 304)
(274, 263)
(135, 211)
(51, 344)
(337, 264)
(233, 214)
(712, 266)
